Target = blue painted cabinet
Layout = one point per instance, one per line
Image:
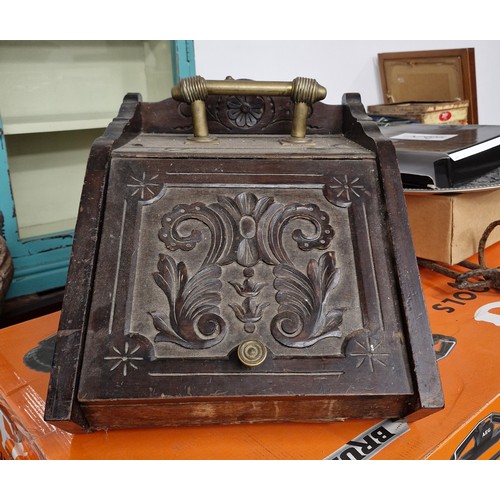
(49, 101)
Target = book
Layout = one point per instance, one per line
(444, 156)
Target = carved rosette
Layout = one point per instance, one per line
(240, 112)
(246, 230)
(245, 111)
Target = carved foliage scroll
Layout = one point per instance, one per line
(301, 320)
(245, 230)
(193, 320)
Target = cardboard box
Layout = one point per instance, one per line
(447, 227)
(429, 113)
(467, 344)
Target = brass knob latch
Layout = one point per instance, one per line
(252, 353)
(302, 91)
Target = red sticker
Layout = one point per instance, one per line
(444, 116)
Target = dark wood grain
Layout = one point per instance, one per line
(185, 252)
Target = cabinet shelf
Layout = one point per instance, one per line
(56, 98)
(46, 177)
(52, 86)
(55, 123)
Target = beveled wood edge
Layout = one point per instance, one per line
(423, 358)
(62, 407)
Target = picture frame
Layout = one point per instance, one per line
(428, 76)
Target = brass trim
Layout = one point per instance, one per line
(252, 353)
(303, 92)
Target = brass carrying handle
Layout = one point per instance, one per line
(303, 92)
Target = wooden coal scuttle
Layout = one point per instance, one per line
(242, 254)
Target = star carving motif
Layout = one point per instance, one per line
(124, 359)
(370, 354)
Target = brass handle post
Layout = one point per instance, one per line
(302, 91)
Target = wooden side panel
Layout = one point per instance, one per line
(411, 297)
(62, 407)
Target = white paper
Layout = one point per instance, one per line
(474, 150)
(423, 137)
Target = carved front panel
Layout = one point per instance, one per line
(210, 273)
(244, 262)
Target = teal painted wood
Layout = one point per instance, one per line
(40, 272)
(42, 263)
(183, 61)
(6, 203)
(39, 263)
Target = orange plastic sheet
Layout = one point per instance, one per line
(466, 329)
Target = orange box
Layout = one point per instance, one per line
(466, 326)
